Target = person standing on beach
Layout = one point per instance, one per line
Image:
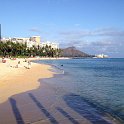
(19, 63)
(3, 60)
(29, 64)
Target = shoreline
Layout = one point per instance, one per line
(108, 115)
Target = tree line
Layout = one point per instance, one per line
(12, 49)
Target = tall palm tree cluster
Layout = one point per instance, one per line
(12, 49)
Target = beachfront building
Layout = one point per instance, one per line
(35, 39)
(19, 40)
(6, 39)
(31, 43)
(52, 44)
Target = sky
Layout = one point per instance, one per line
(92, 26)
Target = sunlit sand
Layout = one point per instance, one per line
(17, 80)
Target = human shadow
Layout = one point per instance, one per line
(67, 115)
(16, 112)
(85, 109)
(42, 108)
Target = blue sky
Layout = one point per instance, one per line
(93, 26)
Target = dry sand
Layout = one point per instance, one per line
(18, 80)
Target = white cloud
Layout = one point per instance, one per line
(77, 25)
(35, 30)
(99, 32)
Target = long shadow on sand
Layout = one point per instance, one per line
(67, 115)
(85, 109)
(16, 112)
(42, 108)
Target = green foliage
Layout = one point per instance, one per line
(9, 48)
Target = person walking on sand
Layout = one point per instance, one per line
(29, 64)
(18, 65)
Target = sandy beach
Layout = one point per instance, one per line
(17, 80)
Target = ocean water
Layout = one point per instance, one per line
(98, 81)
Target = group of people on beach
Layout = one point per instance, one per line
(19, 63)
(28, 62)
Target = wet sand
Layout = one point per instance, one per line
(41, 106)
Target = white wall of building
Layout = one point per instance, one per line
(52, 44)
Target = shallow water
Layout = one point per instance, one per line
(98, 81)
